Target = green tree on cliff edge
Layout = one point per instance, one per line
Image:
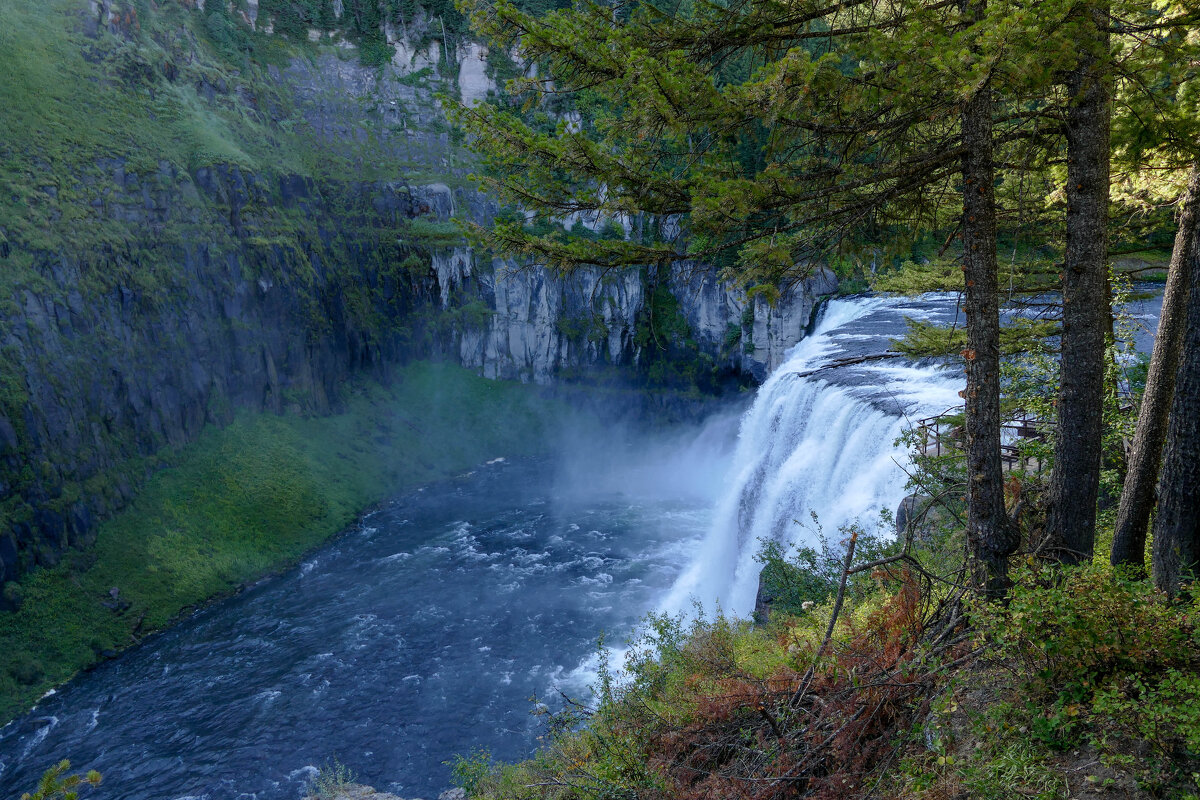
(775, 132)
(761, 135)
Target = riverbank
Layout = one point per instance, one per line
(249, 500)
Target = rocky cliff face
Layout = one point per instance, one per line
(544, 325)
(263, 286)
(104, 370)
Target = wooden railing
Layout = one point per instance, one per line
(942, 434)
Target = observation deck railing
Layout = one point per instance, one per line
(942, 435)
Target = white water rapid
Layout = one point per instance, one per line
(820, 444)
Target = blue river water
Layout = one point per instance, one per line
(423, 633)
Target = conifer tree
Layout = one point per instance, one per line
(991, 534)
(856, 134)
(1086, 296)
(759, 135)
(1176, 552)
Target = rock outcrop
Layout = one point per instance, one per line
(179, 294)
(355, 791)
(921, 519)
(718, 312)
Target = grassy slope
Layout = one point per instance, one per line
(72, 102)
(252, 498)
(175, 86)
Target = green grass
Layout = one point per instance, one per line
(77, 105)
(71, 103)
(250, 499)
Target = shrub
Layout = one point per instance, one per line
(331, 780)
(26, 669)
(1103, 660)
(1072, 628)
(794, 580)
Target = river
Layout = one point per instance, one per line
(428, 630)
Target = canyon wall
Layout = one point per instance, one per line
(310, 237)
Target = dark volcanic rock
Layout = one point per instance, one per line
(236, 290)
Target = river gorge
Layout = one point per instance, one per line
(297, 472)
(423, 632)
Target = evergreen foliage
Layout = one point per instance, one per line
(762, 137)
(56, 784)
(803, 126)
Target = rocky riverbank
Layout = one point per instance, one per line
(354, 791)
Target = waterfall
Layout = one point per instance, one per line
(820, 444)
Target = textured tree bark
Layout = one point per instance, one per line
(1075, 481)
(991, 536)
(1145, 457)
(1176, 555)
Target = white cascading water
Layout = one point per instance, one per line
(810, 446)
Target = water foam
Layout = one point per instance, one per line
(809, 446)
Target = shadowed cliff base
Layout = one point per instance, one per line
(248, 500)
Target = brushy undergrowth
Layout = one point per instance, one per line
(1084, 681)
(250, 499)
(722, 708)
(1089, 682)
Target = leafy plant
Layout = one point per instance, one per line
(1161, 710)
(796, 579)
(1073, 628)
(1105, 660)
(469, 772)
(331, 780)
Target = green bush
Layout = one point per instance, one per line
(1073, 628)
(1162, 710)
(26, 669)
(375, 51)
(11, 596)
(794, 581)
(471, 771)
(331, 780)
(1101, 660)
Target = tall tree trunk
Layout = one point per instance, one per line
(992, 538)
(1145, 457)
(1176, 555)
(1086, 302)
